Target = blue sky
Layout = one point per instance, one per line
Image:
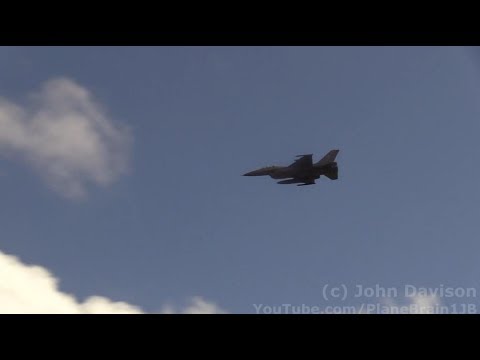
(180, 221)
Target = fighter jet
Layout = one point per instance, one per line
(303, 171)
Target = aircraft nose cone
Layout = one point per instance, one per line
(259, 172)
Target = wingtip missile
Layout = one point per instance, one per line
(304, 155)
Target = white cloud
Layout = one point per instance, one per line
(197, 306)
(31, 289)
(424, 304)
(66, 136)
(419, 304)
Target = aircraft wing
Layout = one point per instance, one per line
(302, 161)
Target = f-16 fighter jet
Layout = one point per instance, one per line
(303, 171)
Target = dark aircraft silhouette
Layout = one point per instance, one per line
(303, 171)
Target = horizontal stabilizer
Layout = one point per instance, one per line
(332, 173)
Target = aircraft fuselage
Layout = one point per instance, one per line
(285, 172)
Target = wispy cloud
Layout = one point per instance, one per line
(66, 136)
(197, 306)
(419, 304)
(32, 289)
